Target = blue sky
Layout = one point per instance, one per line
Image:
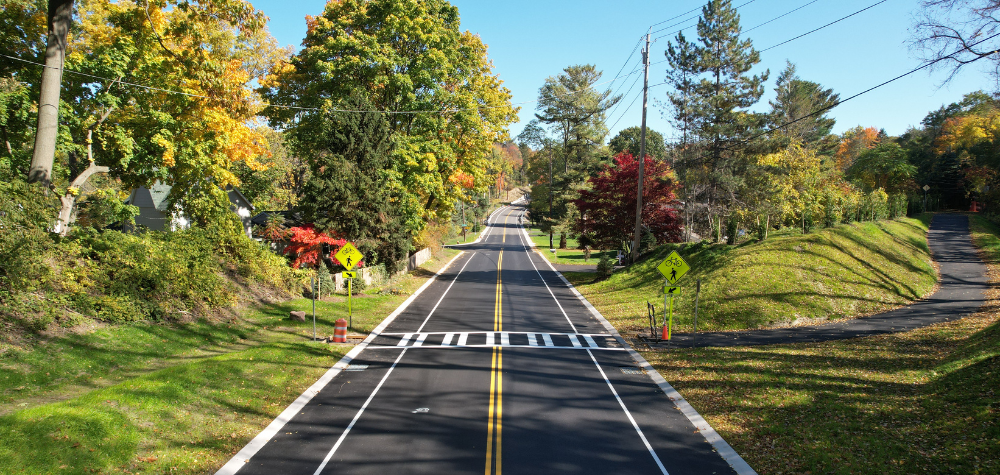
(531, 40)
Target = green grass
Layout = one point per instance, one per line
(571, 255)
(845, 271)
(924, 401)
(181, 398)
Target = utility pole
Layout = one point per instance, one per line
(642, 153)
(550, 199)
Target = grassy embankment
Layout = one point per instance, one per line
(924, 401)
(168, 398)
(844, 271)
(571, 255)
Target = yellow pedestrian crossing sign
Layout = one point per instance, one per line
(673, 267)
(349, 256)
(671, 290)
(349, 275)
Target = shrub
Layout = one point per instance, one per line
(606, 266)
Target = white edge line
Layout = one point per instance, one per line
(258, 442)
(485, 229)
(357, 416)
(718, 443)
(631, 419)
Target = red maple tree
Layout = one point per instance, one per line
(607, 210)
(306, 244)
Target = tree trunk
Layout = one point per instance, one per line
(60, 17)
(68, 200)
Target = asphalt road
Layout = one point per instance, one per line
(496, 367)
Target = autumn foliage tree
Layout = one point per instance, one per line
(305, 244)
(607, 209)
(154, 90)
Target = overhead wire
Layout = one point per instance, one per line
(824, 26)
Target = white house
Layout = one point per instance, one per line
(155, 212)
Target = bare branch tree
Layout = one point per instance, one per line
(956, 33)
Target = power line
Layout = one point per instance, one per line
(673, 18)
(824, 26)
(637, 96)
(778, 17)
(691, 18)
(625, 95)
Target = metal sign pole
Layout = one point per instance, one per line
(313, 282)
(697, 292)
(665, 297)
(350, 309)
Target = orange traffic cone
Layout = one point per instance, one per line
(666, 333)
(340, 331)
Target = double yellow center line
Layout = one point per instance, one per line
(495, 426)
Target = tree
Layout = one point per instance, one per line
(714, 92)
(795, 102)
(682, 72)
(174, 104)
(607, 209)
(885, 166)
(628, 140)
(306, 245)
(853, 142)
(60, 19)
(279, 185)
(957, 33)
(350, 156)
(445, 105)
(570, 104)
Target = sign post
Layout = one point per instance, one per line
(349, 256)
(672, 268)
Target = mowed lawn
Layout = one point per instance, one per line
(924, 401)
(840, 272)
(168, 398)
(571, 255)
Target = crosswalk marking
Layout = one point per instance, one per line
(574, 341)
(547, 338)
(420, 339)
(405, 339)
(583, 341)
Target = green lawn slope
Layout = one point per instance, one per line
(924, 401)
(169, 397)
(840, 272)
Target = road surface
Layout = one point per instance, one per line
(496, 367)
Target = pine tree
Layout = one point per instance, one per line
(714, 93)
(794, 102)
(346, 196)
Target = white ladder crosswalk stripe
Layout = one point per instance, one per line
(532, 340)
(574, 341)
(548, 339)
(405, 339)
(590, 341)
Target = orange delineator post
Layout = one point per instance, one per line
(340, 331)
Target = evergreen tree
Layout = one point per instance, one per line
(794, 102)
(571, 105)
(714, 92)
(348, 154)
